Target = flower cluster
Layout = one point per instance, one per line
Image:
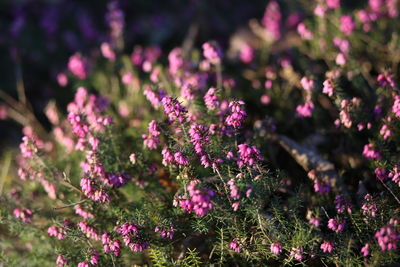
(248, 156)
(24, 215)
(132, 238)
(198, 201)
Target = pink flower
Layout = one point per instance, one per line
(81, 212)
(247, 155)
(234, 245)
(181, 159)
(57, 232)
(370, 153)
(333, 4)
(132, 158)
(265, 99)
(314, 222)
(347, 24)
(61, 261)
(272, 20)
(234, 190)
(62, 79)
(365, 249)
(369, 207)
(237, 114)
(199, 200)
(341, 59)
(246, 53)
(151, 140)
(328, 88)
(396, 106)
(320, 10)
(107, 51)
(387, 238)
(305, 110)
(336, 225)
(327, 246)
(276, 248)
(77, 66)
(211, 99)
(173, 109)
(297, 253)
(304, 32)
(24, 215)
(212, 52)
(307, 83)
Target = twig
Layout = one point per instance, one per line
(70, 205)
(391, 192)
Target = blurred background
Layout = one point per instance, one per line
(37, 38)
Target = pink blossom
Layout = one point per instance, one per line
(247, 155)
(307, 83)
(347, 24)
(396, 106)
(370, 153)
(297, 253)
(276, 248)
(24, 215)
(336, 225)
(272, 20)
(212, 52)
(237, 114)
(234, 245)
(304, 32)
(365, 249)
(61, 261)
(211, 99)
(328, 88)
(387, 238)
(77, 66)
(305, 110)
(62, 79)
(107, 51)
(333, 4)
(246, 53)
(327, 246)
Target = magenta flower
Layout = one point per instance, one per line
(237, 114)
(24, 215)
(365, 249)
(305, 110)
(327, 246)
(370, 153)
(77, 66)
(57, 232)
(173, 109)
(247, 155)
(396, 106)
(328, 88)
(307, 83)
(211, 99)
(234, 245)
(181, 159)
(333, 4)
(212, 52)
(297, 253)
(336, 225)
(61, 261)
(347, 25)
(387, 238)
(276, 248)
(151, 140)
(272, 20)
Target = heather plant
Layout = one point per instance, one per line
(278, 150)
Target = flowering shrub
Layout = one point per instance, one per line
(283, 152)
